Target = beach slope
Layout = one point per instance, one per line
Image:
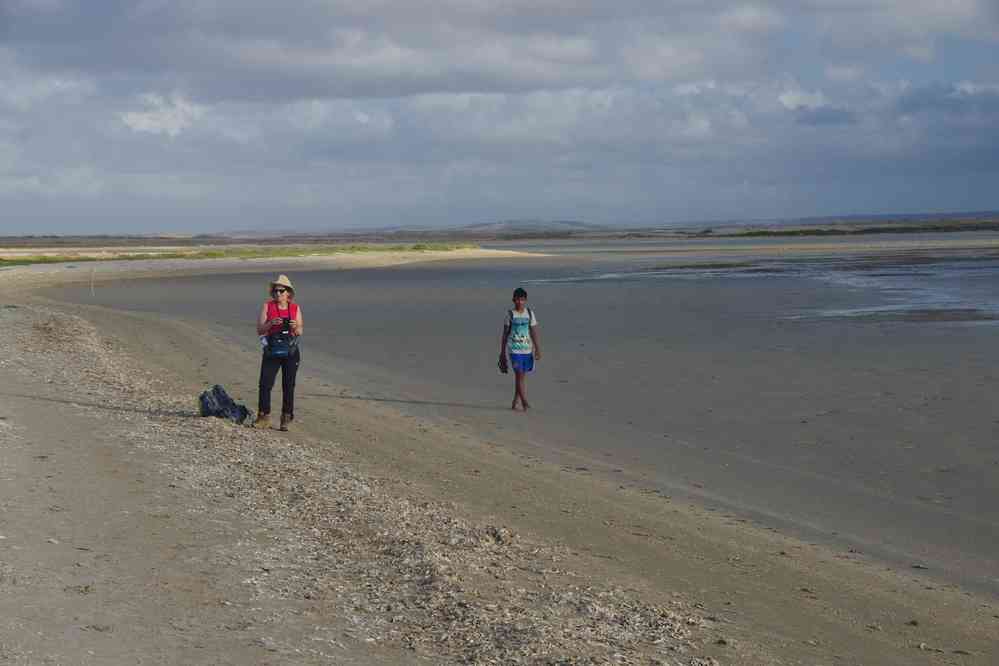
(132, 529)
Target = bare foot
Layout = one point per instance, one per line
(514, 405)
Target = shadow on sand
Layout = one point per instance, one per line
(104, 406)
(435, 403)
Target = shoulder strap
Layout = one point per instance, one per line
(530, 315)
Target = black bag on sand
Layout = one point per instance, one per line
(216, 402)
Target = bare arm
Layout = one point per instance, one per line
(262, 324)
(296, 324)
(506, 335)
(536, 340)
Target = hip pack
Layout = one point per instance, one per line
(281, 345)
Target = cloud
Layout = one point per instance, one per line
(752, 18)
(825, 115)
(660, 58)
(911, 28)
(169, 116)
(22, 90)
(25, 95)
(964, 99)
(844, 73)
(76, 182)
(16, 7)
(460, 110)
(795, 99)
(253, 50)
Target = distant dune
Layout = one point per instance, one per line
(544, 229)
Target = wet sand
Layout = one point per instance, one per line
(776, 599)
(874, 434)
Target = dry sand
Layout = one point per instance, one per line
(134, 531)
(42, 275)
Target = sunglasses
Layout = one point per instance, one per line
(280, 291)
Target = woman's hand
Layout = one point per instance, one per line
(294, 326)
(277, 321)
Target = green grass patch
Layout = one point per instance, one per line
(26, 261)
(242, 253)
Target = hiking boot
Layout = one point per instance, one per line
(263, 420)
(285, 420)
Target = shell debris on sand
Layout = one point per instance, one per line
(406, 574)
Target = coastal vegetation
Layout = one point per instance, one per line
(35, 249)
(854, 229)
(231, 252)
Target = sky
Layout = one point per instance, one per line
(198, 116)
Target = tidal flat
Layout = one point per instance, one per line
(841, 391)
(727, 441)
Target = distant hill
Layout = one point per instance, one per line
(527, 229)
(531, 227)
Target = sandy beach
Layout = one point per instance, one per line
(134, 531)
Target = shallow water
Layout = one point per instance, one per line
(789, 389)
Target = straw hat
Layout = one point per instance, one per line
(283, 281)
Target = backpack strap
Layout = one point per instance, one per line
(530, 316)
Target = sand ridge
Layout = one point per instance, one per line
(289, 555)
(41, 275)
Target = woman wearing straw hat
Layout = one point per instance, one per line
(279, 325)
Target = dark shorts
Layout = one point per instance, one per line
(522, 362)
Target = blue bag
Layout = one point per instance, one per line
(283, 343)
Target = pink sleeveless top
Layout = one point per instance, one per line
(273, 311)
